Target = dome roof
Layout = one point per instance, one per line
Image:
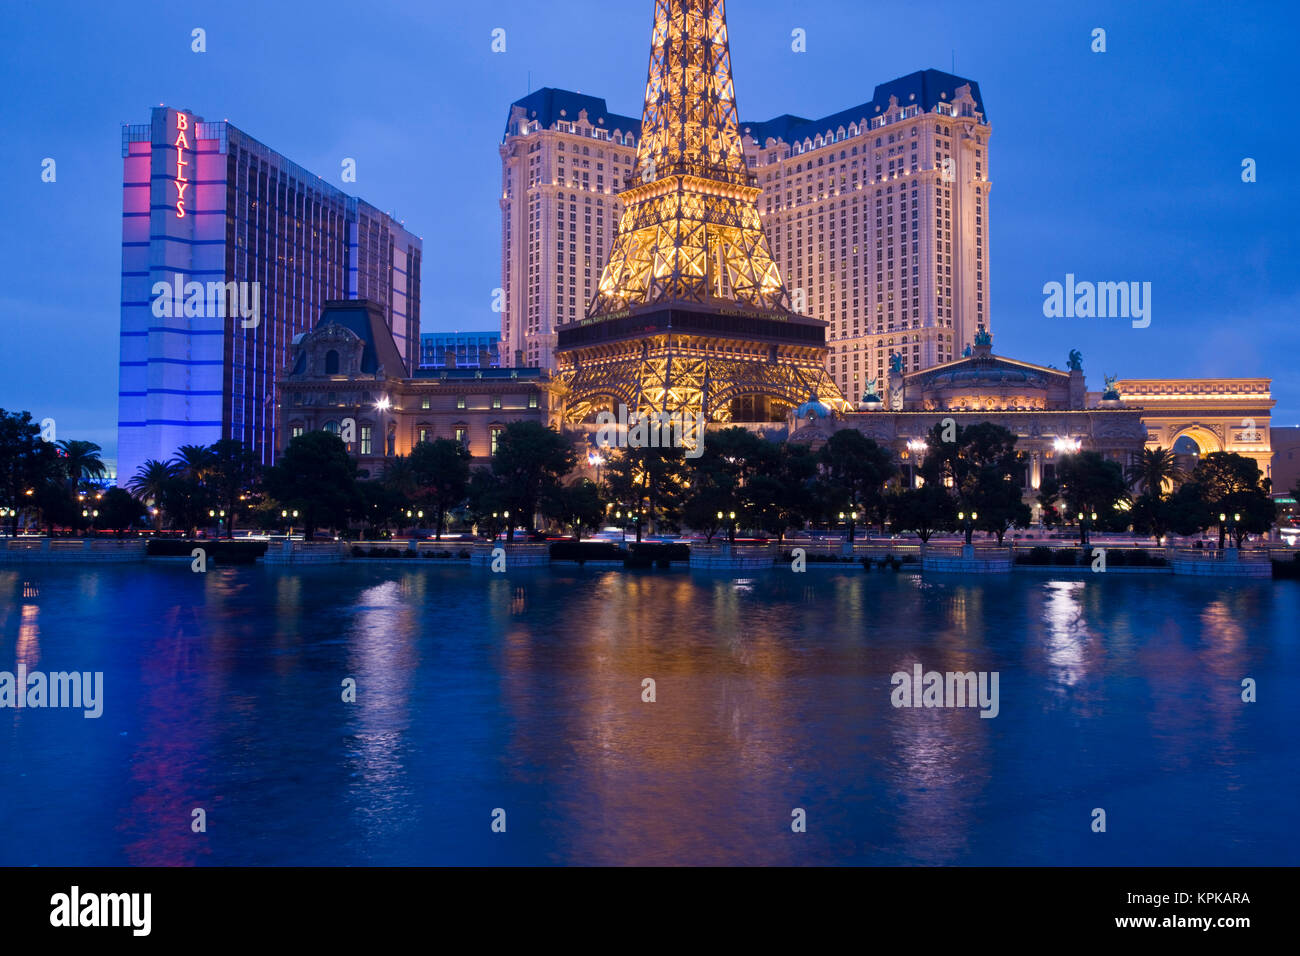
(990, 376)
(812, 407)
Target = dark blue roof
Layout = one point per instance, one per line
(366, 320)
(927, 85)
(924, 88)
(546, 104)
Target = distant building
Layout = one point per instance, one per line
(229, 250)
(1047, 409)
(1199, 416)
(346, 377)
(878, 218)
(1285, 443)
(460, 350)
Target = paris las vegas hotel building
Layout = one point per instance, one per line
(878, 219)
(877, 216)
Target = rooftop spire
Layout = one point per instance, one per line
(690, 230)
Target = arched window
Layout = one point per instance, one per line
(333, 427)
(331, 362)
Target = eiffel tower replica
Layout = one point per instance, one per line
(691, 315)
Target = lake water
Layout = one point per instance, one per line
(523, 692)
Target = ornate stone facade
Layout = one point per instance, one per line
(343, 379)
(1199, 416)
(1047, 409)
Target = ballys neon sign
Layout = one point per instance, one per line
(181, 181)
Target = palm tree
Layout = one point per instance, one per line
(150, 483)
(81, 460)
(195, 462)
(1155, 469)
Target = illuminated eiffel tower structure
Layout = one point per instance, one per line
(691, 315)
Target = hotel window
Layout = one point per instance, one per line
(366, 440)
(460, 436)
(333, 427)
(532, 401)
(496, 436)
(424, 435)
(460, 401)
(297, 430)
(496, 401)
(424, 404)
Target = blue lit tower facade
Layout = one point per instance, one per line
(229, 251)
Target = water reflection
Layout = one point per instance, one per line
(771, 692)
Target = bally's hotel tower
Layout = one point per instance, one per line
(203, 202)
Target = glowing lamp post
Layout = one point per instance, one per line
(917, 449)
(968, 523)
(290, 517)
(1086, 521)
(1229, 522)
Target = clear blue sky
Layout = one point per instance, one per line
(1117, 166)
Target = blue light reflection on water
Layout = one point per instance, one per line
(523, 691)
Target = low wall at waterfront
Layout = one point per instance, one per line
(61, 550)
(520, 554)
(306, 552)
(967, 560)
(1227, 563)
(727, 557)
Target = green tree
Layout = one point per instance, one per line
(488, 501)
(1232, 484)
(317, 478)
(998, 501)
(151, 483)
(440, 470)
(233, 475)
(1152, 514)
(923, 510)
(1049, 496)
(379, 505)
(1188, 513)
(530, 460)
(26, 462)
(1092, 484)
(650, 482)
(778, 497)
(81, 460)
(575, 506)
(1156, 471)
(120, 511)
(854, 470)
(56, 504)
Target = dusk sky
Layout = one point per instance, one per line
(1116, 166)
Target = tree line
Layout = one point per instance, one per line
(969, 479)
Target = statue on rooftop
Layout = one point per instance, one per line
(1076, 361)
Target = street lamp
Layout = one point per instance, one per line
(1085, 522)
(1229, 524)
(918, 447)
(968, 522)
(286, 515)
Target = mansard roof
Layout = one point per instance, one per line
(548, 105)
(924, 88)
